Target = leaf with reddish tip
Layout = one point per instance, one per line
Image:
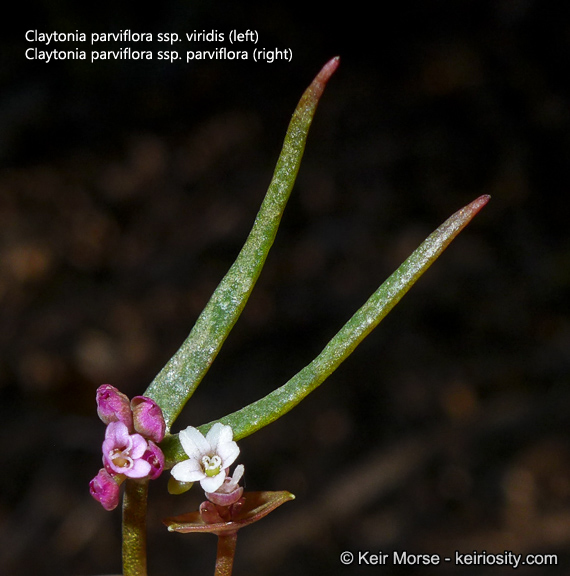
(261, 413)
(177, 381)
(256, 506)
(280, 401)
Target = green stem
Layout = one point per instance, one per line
(226, 552)
(134, 527)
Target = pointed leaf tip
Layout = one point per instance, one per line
(321, 79)
(478, 203)
(328, 70)
(467, 213)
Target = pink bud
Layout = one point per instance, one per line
(155, 458)
(113, 406)
(230, 491)
(147, 418)
(222, 499)
(210, 513)
(105, 490)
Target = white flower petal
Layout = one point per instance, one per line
(188, 471)
(238, 473)
(219, 434)
(231, 484)
(212, 484)
(228, 452)
(194, 443)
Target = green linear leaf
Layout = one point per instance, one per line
(261, 413)
(178, 380)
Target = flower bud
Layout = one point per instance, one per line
(230, 491)
(155, 458)
(113, 406)
(147, 418)
(210, 513)
(105, 490)
(225, 499)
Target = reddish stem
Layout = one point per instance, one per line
(226, 552)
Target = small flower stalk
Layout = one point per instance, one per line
(130, 447)
(250, 508)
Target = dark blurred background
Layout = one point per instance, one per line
(126, 190)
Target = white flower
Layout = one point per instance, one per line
(208, 458)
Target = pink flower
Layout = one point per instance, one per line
(123, 453)
(105, 490)
(129, 449)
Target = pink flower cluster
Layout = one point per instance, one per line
(130, 448)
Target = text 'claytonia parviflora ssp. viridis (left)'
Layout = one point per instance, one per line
(130, 447)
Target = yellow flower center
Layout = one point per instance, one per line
(211, 465)
(119, 459)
